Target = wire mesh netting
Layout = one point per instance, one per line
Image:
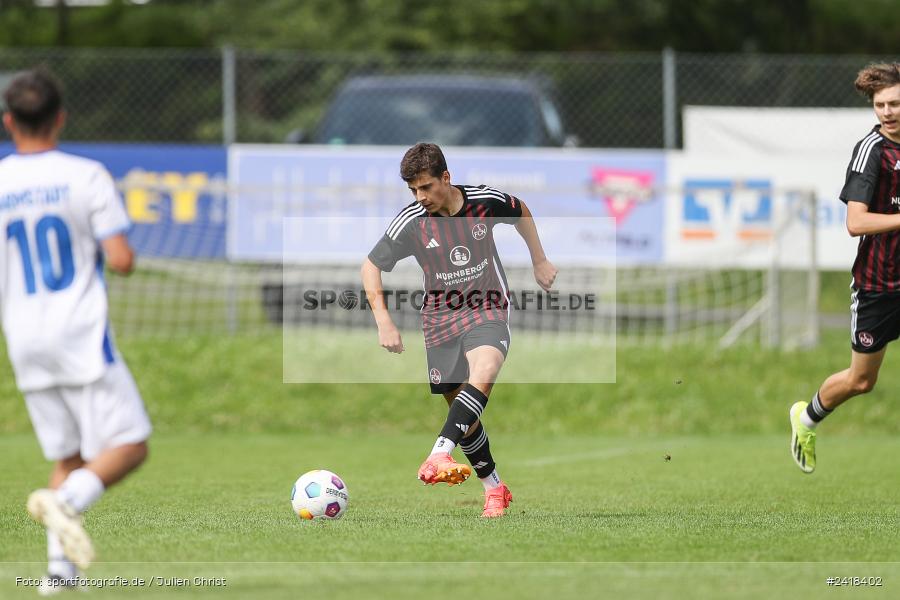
(587, 99)
(771, 301)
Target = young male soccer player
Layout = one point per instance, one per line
(448, 228)
(872, 194)
(60, 215)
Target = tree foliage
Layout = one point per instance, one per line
(780, 26)
(135, 95)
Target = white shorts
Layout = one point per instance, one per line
(89, 418)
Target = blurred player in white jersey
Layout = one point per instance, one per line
(62, 217)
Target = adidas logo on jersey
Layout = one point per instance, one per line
(432, 244)
(897, 166)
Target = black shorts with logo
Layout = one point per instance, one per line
(447, 364)
(874, 320)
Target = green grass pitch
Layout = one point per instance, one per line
(598, 510)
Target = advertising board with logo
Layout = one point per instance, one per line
(175, 195)
(724, 212)
(569, 192)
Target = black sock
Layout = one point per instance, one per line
(815, 410)
(477, 449)
(465, 409)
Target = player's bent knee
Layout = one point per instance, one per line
(487, 364)
(863, 385)
(485, 374)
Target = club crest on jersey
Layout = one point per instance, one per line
(460, 256)
(479, 231)
(435, 376)
(866, 339)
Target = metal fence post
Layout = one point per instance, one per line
(813, 282)
(669, 142)
(229, 136)
(772, 333)
(670, 313)
(670, 100)
(229, 105)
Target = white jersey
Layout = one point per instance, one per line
(55, 209)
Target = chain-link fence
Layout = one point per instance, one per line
(624, 100)
(134, 95)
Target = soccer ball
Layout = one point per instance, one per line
(319, 494)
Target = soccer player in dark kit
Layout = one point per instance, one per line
(872, 193)
(465, 317)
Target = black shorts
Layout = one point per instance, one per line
(447, 365)
(874, 320)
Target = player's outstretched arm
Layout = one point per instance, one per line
(862, 222)
(388, 334)
(544, 271)
(118, 254)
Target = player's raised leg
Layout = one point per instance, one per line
(108, 449)
(465, 411)
(859, 379)
(61, 572)
(466, 405)
(57, 430)
(477, 447)
(440, 467)
(60, 509)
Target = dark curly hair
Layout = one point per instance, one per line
(876, 77)
(422, 157)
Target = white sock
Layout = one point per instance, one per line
(57, 563)
(491, 482)
(80, 489)
(443, 445)
(804, 418)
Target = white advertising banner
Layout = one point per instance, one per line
(725, 211)
(755, 131)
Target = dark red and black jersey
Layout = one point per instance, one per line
(464, 282)
(873, 178)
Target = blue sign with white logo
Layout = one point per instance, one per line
(712, 206)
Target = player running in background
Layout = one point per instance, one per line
(448, 228)
(61, 216)
(872, 194)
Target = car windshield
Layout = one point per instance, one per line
(447, 117)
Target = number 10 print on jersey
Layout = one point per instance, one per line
(57, 273)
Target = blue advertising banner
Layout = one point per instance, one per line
(274, 183)
(175, 195)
